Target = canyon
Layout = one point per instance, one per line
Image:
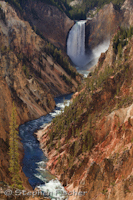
(29, 77)
(93, 154)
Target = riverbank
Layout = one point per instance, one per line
(42, 136)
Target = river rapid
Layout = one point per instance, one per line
(34, 161)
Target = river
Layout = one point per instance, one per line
(34, 161)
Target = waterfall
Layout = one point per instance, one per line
(76, 48)
(76, 43)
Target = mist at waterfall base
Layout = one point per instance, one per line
(34, 161)
(82, 59)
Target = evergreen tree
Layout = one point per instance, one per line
(83, 148)
(120, 49)
(13, 151)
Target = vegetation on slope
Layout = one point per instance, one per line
(121, 39)
(13, 151)
(100, 94)
(60, 59)
(77, 12)
(80, 11)
(60, 4)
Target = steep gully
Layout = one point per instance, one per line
(34, 162)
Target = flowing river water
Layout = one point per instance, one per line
(34, 161)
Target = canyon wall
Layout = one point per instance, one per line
(93, 153)
(107, 21)
(29, 77)
(47, 20)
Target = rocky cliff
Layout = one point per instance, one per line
(107, 21)
(48, 20)
(28, 76)
(91, 149)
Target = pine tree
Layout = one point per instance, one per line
(120, 49)
(83, 148)
(59, 144)
(73, 133)
(13, 151)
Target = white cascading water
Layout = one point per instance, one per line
(76, 49)
(76, 43)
